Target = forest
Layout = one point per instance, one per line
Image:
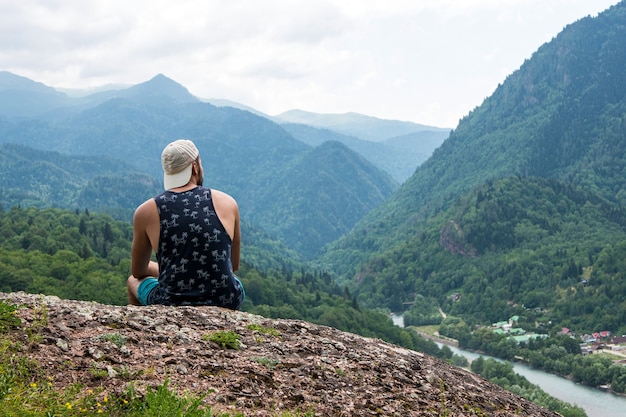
(537, 248)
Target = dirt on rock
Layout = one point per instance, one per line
(278, 366)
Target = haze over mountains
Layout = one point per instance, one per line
(250, 156)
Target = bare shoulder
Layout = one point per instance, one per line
(223, 199)
(145, 211)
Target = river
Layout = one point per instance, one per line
(596, 403)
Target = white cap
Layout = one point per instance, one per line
(176, 160)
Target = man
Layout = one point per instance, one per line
(195, 234)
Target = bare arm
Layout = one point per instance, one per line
(144, 221)
(235, 251)
(228, 212)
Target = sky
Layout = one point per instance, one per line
(426, 61)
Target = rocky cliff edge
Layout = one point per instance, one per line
(262, 367)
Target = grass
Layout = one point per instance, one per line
(8, 317)
(115, 338)
(226, 339)
(431, 330)
(25, 391)
(268, 362)
(42, 399)
(264, 330)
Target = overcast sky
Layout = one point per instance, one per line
(426, 61)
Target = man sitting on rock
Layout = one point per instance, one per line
(195, 234)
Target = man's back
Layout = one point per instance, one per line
(194, 252)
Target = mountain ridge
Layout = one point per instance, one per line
(355, 124)
(25, 98)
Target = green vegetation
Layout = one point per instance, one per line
(36, 178)
(522, 201)
(270, 363)
(540, 249)
(264, 330)
(320, 208)
(115, 338)
(227, 340)
(69, 254)
(8, 318)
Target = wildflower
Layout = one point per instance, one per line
(68, 406)
(33, 385)
(99, 410)
(105, 399)
(90, 391)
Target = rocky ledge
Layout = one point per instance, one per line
(277, 365)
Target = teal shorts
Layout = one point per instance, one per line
(145, 288)
(148, 284)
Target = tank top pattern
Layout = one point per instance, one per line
(194, 252)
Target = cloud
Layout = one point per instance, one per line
(430, 61)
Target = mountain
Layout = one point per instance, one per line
(159, 89)
(22, 97)
(325, 205)
(368, 136)
(355, 124)
(398, 156)
(560, 117)
(244, 154)
(396, 147)
(218, 102)
(519, 241)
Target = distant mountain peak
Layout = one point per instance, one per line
(355, 124)
(10, 81)
(23, 97)
(160, 85)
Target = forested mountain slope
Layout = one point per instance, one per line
(325, 192)
(561, 115)
(30, 177)
(397, 147)
(394, 146)
(398, 156)
(541, 249)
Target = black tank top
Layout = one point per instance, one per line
(194, 253)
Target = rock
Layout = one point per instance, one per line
(293, 365)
